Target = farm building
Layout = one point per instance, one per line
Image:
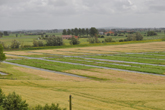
(110, 32)
(68, 36)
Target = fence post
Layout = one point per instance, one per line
(70, 102)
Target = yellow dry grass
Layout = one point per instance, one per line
(139, 47)
(114, 76)
(89, 95)
(49, 75)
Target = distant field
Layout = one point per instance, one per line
(28, 39)
(110, 49)
(102, 89)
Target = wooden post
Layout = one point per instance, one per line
(70, 102)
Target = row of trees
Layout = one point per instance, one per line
(80, 32)
(14, 102)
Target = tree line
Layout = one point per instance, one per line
(79, 31)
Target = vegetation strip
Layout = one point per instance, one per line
(46, 64)
(63, 73)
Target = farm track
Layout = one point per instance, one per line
(88, 65)
(57, 72)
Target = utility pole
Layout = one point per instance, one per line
(70, 102)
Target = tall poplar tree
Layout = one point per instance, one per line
(2, 55)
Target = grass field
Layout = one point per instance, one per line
(103, 89)
(28, 39)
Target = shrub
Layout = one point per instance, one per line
(163, 39)
(93, 40)
(102, 36)
(108, 39)
(151, 33)
(121, 40)
(37, 43)
(2, 96)
(47, 107)
(54, 41)
(14, 102)
(74, 41)
(15, 44)
(27, 46)
(108, 34)
(3, 44)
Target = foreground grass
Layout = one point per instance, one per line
(126, 91)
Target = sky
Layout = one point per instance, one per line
(64, 14)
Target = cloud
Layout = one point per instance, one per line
(71, 12)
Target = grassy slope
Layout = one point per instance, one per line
(126, 91)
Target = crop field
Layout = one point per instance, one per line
(111, 78)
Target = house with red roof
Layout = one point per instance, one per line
(68, 36)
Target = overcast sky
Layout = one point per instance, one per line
(57, 14)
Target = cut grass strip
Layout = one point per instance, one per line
(133, 67)
(56, 66)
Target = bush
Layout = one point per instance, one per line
(14, 102)
(93, 40)
(108, 39)
(27, 46)
(47, 107)
(54, 41)
(151, 33)
(37, 43)
(163, 39)
(108, 34)
(2, 96)
(102, 36)
(121, 40)
(74, 41)
(15, 44)
(3, 45)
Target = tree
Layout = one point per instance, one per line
(1, 34)
(14, 102)
(5, 33)
(68, 32)
(93, 32)
(80, 31)
(76, 32)
(74, 41)
(2, 55)
(87, 31)
(2, 96)
(139, 36)
(64, 32)
(72, 31)
(83, 31)
(15, 44)
(151, 33)
(108, 39)
(54, 41)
